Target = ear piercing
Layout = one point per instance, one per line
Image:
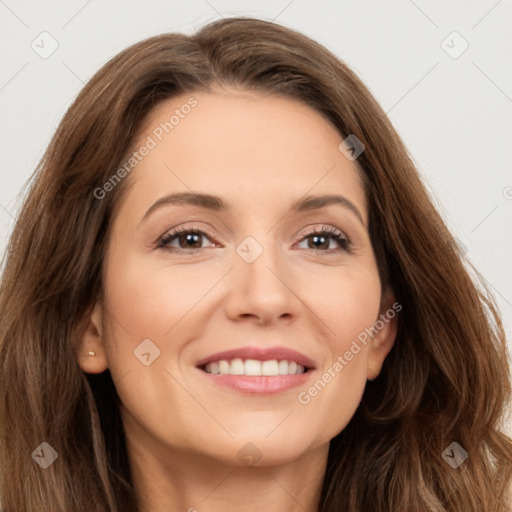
(90, 354)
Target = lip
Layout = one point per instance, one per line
(259, 384)
(260, 354)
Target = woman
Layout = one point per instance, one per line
(229, 289)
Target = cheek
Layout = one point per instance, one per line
(347, 300)
(148, 301)
(348, 305)
(145, 330)
(137, 308)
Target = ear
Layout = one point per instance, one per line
(91, 356)
(385, 329)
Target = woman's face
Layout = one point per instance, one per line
(246, 288)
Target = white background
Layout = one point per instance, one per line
(454, 114)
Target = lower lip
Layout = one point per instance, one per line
(259, 385)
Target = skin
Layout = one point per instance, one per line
(185, 435)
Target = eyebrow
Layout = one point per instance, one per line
(217, 204)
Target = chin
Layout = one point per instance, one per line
(257, 449)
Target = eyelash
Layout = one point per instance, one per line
(326, 231)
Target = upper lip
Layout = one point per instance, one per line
(259, 354)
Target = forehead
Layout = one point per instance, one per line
(246, 146)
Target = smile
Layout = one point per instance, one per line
(257, 370)
(253, 367)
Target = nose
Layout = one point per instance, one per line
(261, 289)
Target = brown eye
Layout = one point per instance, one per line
(183, 239)
(321, 240)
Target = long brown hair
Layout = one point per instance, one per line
(446, 379)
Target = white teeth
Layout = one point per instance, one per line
(252, 367)
(223, 367)
(237, 367)
(270, 368)
(283, 367)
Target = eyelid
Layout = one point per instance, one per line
(331, 231)
(319, 227)
(185, 228)
(344, 242)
